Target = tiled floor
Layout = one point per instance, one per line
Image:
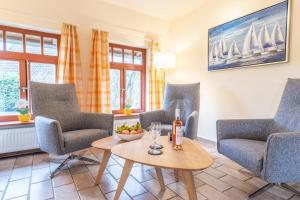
(27, 177)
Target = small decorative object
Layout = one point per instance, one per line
(128, 105)
(23, 110)
(259, 38)
(130, 133)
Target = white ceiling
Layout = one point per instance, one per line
(163, 9)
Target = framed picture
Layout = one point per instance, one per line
(259, 38)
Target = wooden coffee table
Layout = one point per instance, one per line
(193, 157)
(105, 144)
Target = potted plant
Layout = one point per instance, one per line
(128, 105)
(23, 110)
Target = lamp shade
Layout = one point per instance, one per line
(165, 60)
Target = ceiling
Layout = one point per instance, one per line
(163, 9)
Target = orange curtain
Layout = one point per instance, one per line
(99, 74)
(157, 80)
(69, 64)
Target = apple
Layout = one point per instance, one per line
(125, 132)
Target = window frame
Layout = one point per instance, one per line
(126, 66)
(25, 58)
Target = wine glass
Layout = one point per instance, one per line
(155, 130)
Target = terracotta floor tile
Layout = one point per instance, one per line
(3, 182)
(212, 181)
(154, 187)
(236, 194)
(92, 193)
(123, 196)
(180, 189)
(140, 174)
(115, 170)
(211, 193)
(214, 172)
(17, 188)
(235, 173)
(66, 192)
(23, 161)
(40, 174)
(134, 188)
(145, 196)
(63, 178)
(83, 180)
(108, 184)
(42, 190)
(20, 173)
(241, 185)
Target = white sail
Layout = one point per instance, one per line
(222, 47)
(251, 45)
(233, 50)
(211, 56)
(216, 52)
(264, 38)
(277, 36)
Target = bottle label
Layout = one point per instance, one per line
(179, 135)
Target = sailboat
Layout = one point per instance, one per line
(233, 53)
(216, 57)
(264, 41)
(223, 47)
(251, 46)
(277, 36)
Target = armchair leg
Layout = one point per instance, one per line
(261, 190)
(88, 160)
(290, 188)
(72, 157)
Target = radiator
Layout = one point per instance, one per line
(18, 139)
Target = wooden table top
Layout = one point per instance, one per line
(192, 157)
(107, 143)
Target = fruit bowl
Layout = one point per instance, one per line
(130, 137)
(129, 133)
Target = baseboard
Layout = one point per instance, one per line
(19, 153)
(205, 140)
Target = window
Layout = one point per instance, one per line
(24, 55)
(127, 77)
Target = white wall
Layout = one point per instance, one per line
(252, 92)
(125, 26)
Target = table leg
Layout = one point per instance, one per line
(160, 178)
(189, 183)
(103, 165)
(125, 173)
(176, 175)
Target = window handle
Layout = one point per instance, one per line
(24, 89)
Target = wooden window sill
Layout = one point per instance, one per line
(16, 124)
(124, 116)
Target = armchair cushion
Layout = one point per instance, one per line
(153, 116)
(247, 153)
(81, 139)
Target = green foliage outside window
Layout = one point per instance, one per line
(9, 92)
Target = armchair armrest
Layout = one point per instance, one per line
(147, 117)
(98, 121)
(191, 125)
(282, 158)
(243, 129)
(49, 135)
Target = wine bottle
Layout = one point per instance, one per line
(177, 134)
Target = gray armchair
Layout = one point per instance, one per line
(61, 127)
(182, 96)
(270, 148)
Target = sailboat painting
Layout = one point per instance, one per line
(259, 38)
